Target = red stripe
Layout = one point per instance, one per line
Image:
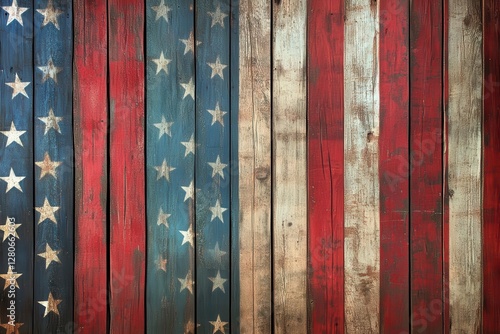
(393, 166)
(326, 165)
(90, 113)
(127, 181)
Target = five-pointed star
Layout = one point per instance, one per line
(218, 282)
(50, 255)
(187, 283)
(164, 171)
(189, 145)
(161, 11)
(217, 17)
(190, 328)
(217, 68)
(189, 191)
(162, 218)
(15, 12)
(50, 71)
(188, 236)
(217, 253)
(48, 167)
(12, 181)
(189, 43)
(10, 278)
(161, 264)
(9, 229)
(189, 89)
(218, 167)
(164, 127)
(51, 122)
(47, 212)
(50, 14)
(13, 136)
(218, 325)
(217, 114)
(162, 63)
(217, 211)
(50, 305)
(12, 329)
(18, 87)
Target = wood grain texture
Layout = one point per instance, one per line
(491, 168)
(53, 138)
(326, 165)
(91, 177)
(361, 177)
(394, 161)
(127, 174)
(254, 159)
(464, 164)
(426, 181)
(290, 166)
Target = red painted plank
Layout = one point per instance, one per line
(326, 165)
(426, 176)
(127, 175)
(91, 115)
(393, 165)
(491, 202)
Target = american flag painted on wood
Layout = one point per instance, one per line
(247, 166)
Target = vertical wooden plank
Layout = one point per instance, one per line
(254, 159)
(53, 152)
(326, 165)
(464, 164)
(213, 166)
(91, 130)
(16, 155)
(491, 176)
(426, 181)
(361, 178)
(127, 175)
(289, 162)
(170, 138)
(393, 165)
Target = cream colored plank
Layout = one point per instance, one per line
(289, 163)
(464, 164)
(361, 180)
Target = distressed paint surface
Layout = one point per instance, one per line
(290, 162)
(326, 166)
(464, 164)
(254, 160)
(361, 163)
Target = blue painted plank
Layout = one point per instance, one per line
(212, 171)
(53, 152)
(170, 165)
(16, 155)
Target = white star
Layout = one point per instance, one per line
(188, 236)
(10, 279)
(189, 43)
(50, 14)
(218, 282)
(50, 255)
(13, 181)
(164, 171)
(162, 218)
(161, 11)
(217, 68)
(217, 211)
(15, 12)
(217, 115)
(18, 87)
(50, 305)
(217, 17)
(187, 283)
(217, 253)
(13, 136)
(162, 63)
(218, 325)
(189, 145)
(50, 71)
(9, 229)
(189, 89)
(218, 167)
(47, 212)
(47, 166)
(164, 127)
(189, 191)
(51, 122)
